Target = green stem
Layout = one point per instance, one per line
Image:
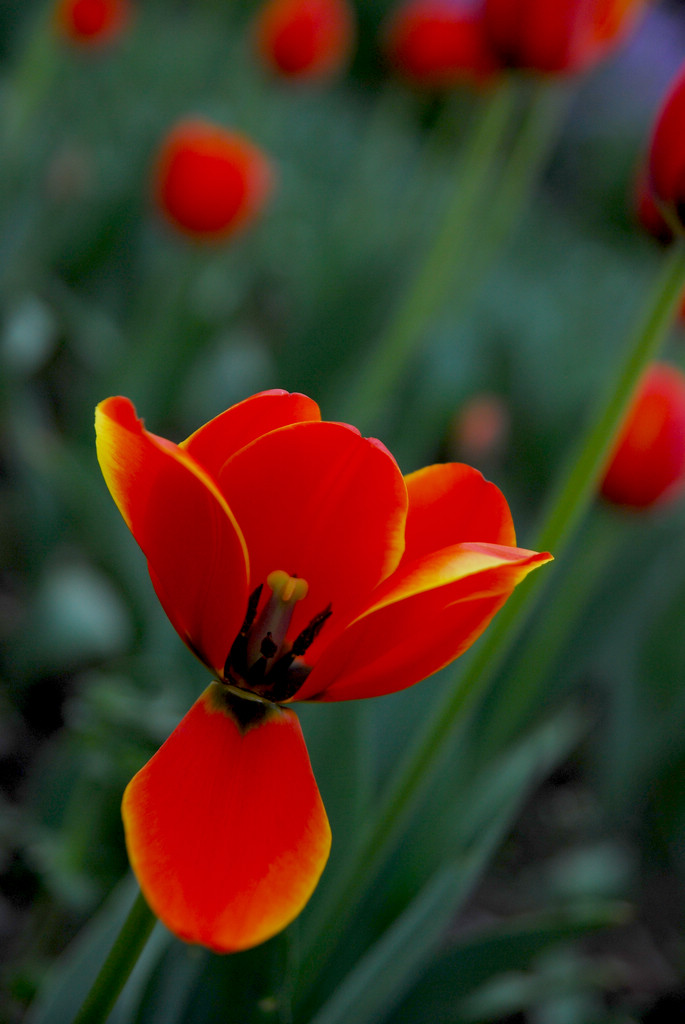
(431, 283)
(522, 689)
(117, 967)
(570, 501)
(576, 490)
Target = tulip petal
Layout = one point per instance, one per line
(454, 500)
(422, 618)
(225, 827)
(195, 550)
(667, 151)
(320, 502)
(217, 440)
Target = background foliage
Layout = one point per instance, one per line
(541, 878)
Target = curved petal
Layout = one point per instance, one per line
(667, 149)
(421, 619)
(453, 503)
(320, 502)
(212, 444)
(196, 552)
(225, 827)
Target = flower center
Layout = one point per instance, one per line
(261, 659)
(268, 633)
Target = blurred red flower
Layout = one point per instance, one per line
(481, 427)
(208, 181)
(648, 213)
(297, 563)
(440, 43)
(305, 39)
(562, 36)
(92, 22)
(647, 466)
(666, 158)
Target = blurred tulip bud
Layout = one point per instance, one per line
(208, 181)
(305, 39)
(648, 213)
(92, 22)
(666, 160)
(648, 462)
(440, 43)
(565, 36)
(481, 428)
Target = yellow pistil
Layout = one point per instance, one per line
(268, 634)
(287, 588)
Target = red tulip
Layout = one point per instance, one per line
(559, 36)
(92, 22)
(439, 43)
(666, 161)
(648, 213)
(208, 181)
(297, 563)
(648, 462)
(309, 39)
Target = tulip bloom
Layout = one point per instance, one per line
(666, 160)
(210, 182)
(297, 563)
(305, 39)
(647, 466)
(92, 22)
(564, 36)
(439, 43)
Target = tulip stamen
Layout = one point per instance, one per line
(238, 652)
(273, 621)
(306, 638)
(251, 612)
(261, 659)
(268, 648)
(289, 671)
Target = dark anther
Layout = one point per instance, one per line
(237, 656)
(268, 648)
(309, 634)
(287, 683)
(276, 678)
(251, 609)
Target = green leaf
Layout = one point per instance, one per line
(491, 953)
(74, 973)
(390, 967)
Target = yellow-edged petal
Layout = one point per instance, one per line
(214, 442)
(419, 620)
(452, 502)
(225, 827)
(195, 549)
